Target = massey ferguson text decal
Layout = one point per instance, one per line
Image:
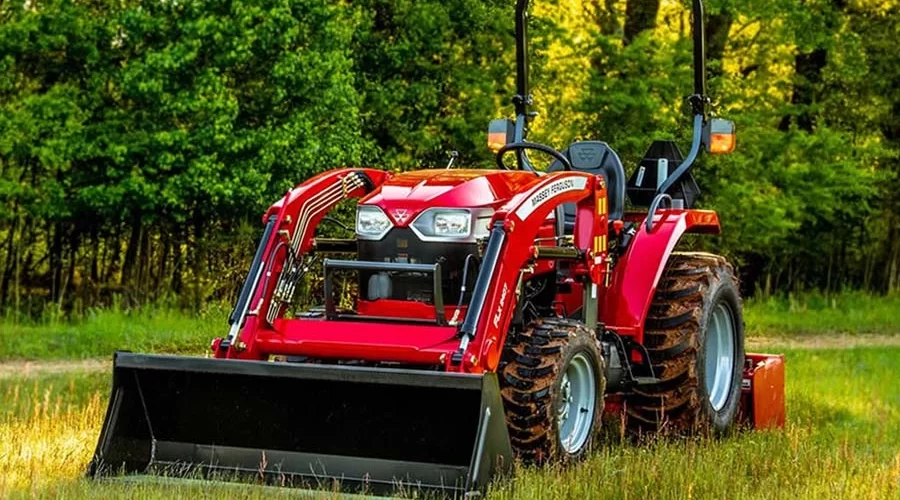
(548, 192)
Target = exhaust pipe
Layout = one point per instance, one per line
(371, 429)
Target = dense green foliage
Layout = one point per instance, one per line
(141, 141)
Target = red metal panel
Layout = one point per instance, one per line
(637, 273)
(762, 391)
(415, 191)
(371, 341)
(390, 308)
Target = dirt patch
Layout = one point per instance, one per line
(825, 341)
(17, 369)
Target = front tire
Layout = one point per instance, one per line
(552, 385)
(694, 334)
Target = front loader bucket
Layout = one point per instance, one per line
(303, 424)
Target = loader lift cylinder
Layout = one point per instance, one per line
(236, 320)
(482, 284)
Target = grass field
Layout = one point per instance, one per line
(159, 329)
(101, 332)
(846, 313)
(842, 441)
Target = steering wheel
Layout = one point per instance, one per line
(513, 146)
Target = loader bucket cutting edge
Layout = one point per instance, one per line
(302, 424)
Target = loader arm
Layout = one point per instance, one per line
(511, 246)
(290, 226)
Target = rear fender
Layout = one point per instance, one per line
(636, 275)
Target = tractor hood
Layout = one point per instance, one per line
(405, 195)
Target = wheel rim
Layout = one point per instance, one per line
(719, 356)
(575, 409)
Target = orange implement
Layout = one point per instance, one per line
(762, 391)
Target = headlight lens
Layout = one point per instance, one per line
(371, 222)
(451, 223)
(444, 223)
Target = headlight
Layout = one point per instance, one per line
(443, 223)
(452, 223)
(371, 222)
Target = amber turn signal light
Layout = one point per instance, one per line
(719, 136)
(496, 141)
(500, 133)
(721, 143)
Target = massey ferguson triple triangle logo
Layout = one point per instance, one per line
(400, 215)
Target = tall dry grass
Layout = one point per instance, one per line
(842, 441)
(50, 443)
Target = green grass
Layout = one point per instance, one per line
(101, 332)
(160, 329)
(26, 398)
(845, 313)
(842, 441)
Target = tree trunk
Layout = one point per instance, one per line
(131, 251)
(640, 16)
(893, 283)
(69, 280)
(143, 270)
(808, 76)
(95, 256)
(177, 260)
(56, 254)
(162, 268)
(9, 264)
(115, 243)
(199, 261)
(718, 26)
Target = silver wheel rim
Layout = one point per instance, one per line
(719, 356)
(575, 408)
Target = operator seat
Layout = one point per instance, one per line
(595, 158)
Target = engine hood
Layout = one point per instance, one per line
(405, 195)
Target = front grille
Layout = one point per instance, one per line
(402, 245)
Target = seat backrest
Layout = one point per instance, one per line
(596, 158)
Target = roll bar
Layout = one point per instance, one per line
(698, 100)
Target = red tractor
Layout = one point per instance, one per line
(499, 314)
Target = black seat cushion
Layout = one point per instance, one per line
(595, 158)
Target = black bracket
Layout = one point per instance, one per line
(330, 265)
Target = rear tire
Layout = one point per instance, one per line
(695, 337)
(552, 383)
